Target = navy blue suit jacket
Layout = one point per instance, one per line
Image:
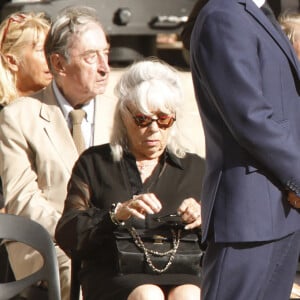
(246, 78)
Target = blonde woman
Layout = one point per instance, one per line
(290, 24)
(23, 67)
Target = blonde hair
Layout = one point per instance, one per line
(290, 24)
(17, 30)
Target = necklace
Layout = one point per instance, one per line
(146, 167)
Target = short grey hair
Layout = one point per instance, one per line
(148, 85)
(68, 22)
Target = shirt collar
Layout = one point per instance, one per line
(167, 156)
(66, 107)
(173, 159)
(259, 3)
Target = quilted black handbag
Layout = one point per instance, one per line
(173, 250)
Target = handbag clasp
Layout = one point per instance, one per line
(158, 239)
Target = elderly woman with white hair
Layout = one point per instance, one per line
(142, 180)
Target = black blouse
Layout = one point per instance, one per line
(97, 182)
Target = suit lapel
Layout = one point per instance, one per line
(279, 37)
(56, 128)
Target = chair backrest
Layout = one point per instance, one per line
(21, 229)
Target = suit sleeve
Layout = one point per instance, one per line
(228, 64)
(19, 174)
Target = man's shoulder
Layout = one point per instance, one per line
(222, 10)
(105, 106)
(24, 104)
(30, 103)
(106, 99)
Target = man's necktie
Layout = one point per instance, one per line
(76, 117)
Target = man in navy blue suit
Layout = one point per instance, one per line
(247, 83)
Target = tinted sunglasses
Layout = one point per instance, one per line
(162, 120)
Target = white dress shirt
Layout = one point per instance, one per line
(87, 124)
(259, 3)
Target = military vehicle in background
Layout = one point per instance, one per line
(133, 26)
(136, 28)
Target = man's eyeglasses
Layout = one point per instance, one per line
(162, 120)
(94, 56)
(18, 18)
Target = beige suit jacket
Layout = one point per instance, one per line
(37, 154)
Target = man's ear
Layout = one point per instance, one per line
(58, 63)
(12, 62)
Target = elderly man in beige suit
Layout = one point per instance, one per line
(37, 151)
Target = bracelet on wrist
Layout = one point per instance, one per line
(112, 214)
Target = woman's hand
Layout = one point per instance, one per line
(190, 212)
(138, 206)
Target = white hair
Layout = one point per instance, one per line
(148, 85)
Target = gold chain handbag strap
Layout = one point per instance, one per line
(172, 252)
